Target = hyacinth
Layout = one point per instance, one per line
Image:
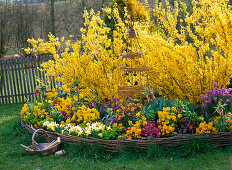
(151, 129)
(216, 93)
(212, 97)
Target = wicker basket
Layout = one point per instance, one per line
(133, 69)
(131, 33)
(218, 139)
(133, 55)
(42, 148)
(132, 91)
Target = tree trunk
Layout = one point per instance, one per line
(103, 3)
(2, 37)
(83, 9)
(230, 2)
(53, 17)
(163, 2)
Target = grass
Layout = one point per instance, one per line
(12, 156)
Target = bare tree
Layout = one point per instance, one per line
(53, 17)
(23, 24)
(5, 19)
(21, 21)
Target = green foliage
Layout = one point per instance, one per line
(222, 124)
(111, 134)
(57, 116)
(76, 83)
(187, 111)
(150, 110)
(41, 88)
(31, 119)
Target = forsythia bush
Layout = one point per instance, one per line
(183, 63)
(185, 69)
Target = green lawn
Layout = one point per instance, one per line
(12, 156)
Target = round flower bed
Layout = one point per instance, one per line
(218, 139)
(116, 124)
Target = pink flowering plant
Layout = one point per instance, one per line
(151, 129)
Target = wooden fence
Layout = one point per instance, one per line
(18, 82)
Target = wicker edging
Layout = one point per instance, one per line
(218, 139)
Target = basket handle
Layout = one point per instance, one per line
(33, 136)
